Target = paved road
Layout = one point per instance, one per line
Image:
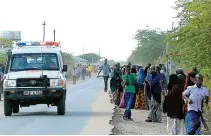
(40, 119)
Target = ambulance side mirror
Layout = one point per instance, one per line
(64, 68)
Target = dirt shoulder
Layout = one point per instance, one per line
(100, 116)
(138, 126)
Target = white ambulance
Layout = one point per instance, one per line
(35, 75)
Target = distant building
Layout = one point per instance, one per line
(12, 35)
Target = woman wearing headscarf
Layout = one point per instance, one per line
(140, 98)
(181, 79)
(172, 105)
(156, 89)
(113, 81)
(115, 84)
(147, 91)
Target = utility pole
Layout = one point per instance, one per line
(172, 27)
(167, 59)
(54, 35)
(44, 24)
(167, 55)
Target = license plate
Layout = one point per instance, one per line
(32, 93)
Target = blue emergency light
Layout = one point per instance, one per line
(22, 43)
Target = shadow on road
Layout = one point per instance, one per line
(69, 113)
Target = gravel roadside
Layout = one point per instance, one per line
(138, 126)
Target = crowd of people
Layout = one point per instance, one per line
(82, 71)
(147, 88)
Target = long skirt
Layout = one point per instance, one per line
(147, 96)
(175, 126)
(192, 123)
(117, 95)
(140, 100)
(113, 85)
(155, 111)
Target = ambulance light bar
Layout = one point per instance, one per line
(42, 43)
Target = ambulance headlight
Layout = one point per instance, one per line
(9, 83)
(56, 83)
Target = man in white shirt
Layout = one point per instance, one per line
(195, 95)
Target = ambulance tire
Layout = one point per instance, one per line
(61, 105)
(7, 108)
(15, 108)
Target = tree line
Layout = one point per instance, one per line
(189, 42)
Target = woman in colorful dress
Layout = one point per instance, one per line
(115, 84)
(140, 98)
(155, 103)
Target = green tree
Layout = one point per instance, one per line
(192, 38)
(150, 46)
(6, 43)
(91, 57)
(68, 59)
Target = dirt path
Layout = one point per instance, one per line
(139, 126)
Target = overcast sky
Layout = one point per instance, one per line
(105, 24)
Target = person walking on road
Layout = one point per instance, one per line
(83, 72)
(129, 81)
(78, 70)
(172, 105)
(89, 70)
(195, 95)
(106, 71)
(74, 75)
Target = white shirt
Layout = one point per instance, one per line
(73, 72)
(196, 95)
